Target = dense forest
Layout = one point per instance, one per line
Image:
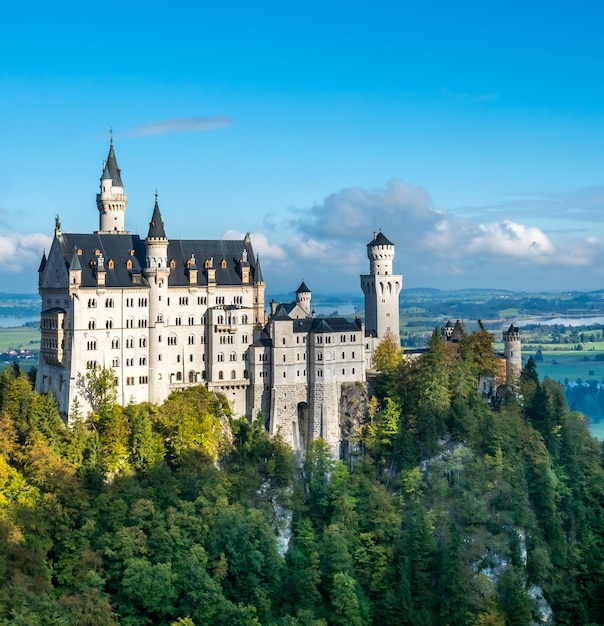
(446, 511)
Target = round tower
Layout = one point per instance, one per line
(111, 201)
(512, 351)
(381, 289)
(303, 296)
(157, 271)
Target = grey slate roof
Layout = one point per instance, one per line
(380, 240)
(258, 277)
(156, 225)
(120, 248)
(303, 288)
(321, 325)
(111, 169)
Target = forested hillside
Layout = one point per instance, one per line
(446, 511)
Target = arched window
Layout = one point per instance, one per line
(109, 324)
(91, 324)
(178, 376)
(244, 319)
(115, 343)
(172, 264)
(220, 375)
(223, 264)
(233, 375)
(220, 319)
(129, 264)
(110, 264)
(142, 342)
(220, 357)
(191, 376)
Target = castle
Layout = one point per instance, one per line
(165, 314)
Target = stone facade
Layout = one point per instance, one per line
(166, 314)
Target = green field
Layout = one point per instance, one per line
(21, 338)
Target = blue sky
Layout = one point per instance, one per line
(470, 133)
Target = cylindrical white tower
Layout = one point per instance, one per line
(111, 201)
(303, 296)
(381, 289)
(157, 273)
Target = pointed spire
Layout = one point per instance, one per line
(42, 262)
(303, 288)
(110, 169)
(156, 225)
(258, 273)
(75, 261)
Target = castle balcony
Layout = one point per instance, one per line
(225, 328)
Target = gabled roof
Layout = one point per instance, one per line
(380, 240)
(121, 248)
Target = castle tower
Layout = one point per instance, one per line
(157, 272)
(381, 289)
(259, 287)
(111, 201)
(512, 350)
(303, 296)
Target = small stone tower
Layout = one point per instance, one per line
(512, 351)
(381, 289)
(111, 201)
(303, 296)
(157, 272)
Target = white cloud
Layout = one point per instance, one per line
(20, 252)
(179, 125)
(510, 239)
(260, 243)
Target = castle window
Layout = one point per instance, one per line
(130, 342)
(142, 342)
(130, 322)
(142, 323)
(343, 355)
(143, 380)
(142, 360)
(191, 376)
(353, 370)
(172, 340)
(109, 303)
(353, 355)
(115, 343)
(233, 375)
(129, 362)
(220, 375)
(183, 301)
(130, 381)
(297, 372)
(203, 374)
(159, 357)
(191, 358)
(220, 319)
(223, 264)
(353, 338)
(245, 374)
(129, 264)
(284, 358)
(343, 371)
(244, 339)
(284, 374)
(110, 264)
(92, 303)
(178, 321)
(109, 324)
(319, 357)
(142, 302)
(191, 339)
(207, 263)
(91, 324)
(172, 264)
(115, 362)
(202, 300)
(191, 321)
(91, 344)
(244, 319)
(220, 357)
(129, 302)
(232, 356)
(283, 340)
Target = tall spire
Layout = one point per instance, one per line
(156, 225)
(258, 273)
(111, 201)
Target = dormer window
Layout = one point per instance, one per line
(172, 264)
(110, 264)
(129, 264)
(206, 263)
(223, 264)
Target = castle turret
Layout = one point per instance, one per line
(303, 296)
(381, 289)
(111, 201)
(75, 272)
(513, 354)
(259, 287)
(157, 272)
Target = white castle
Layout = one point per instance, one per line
(166, 314)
